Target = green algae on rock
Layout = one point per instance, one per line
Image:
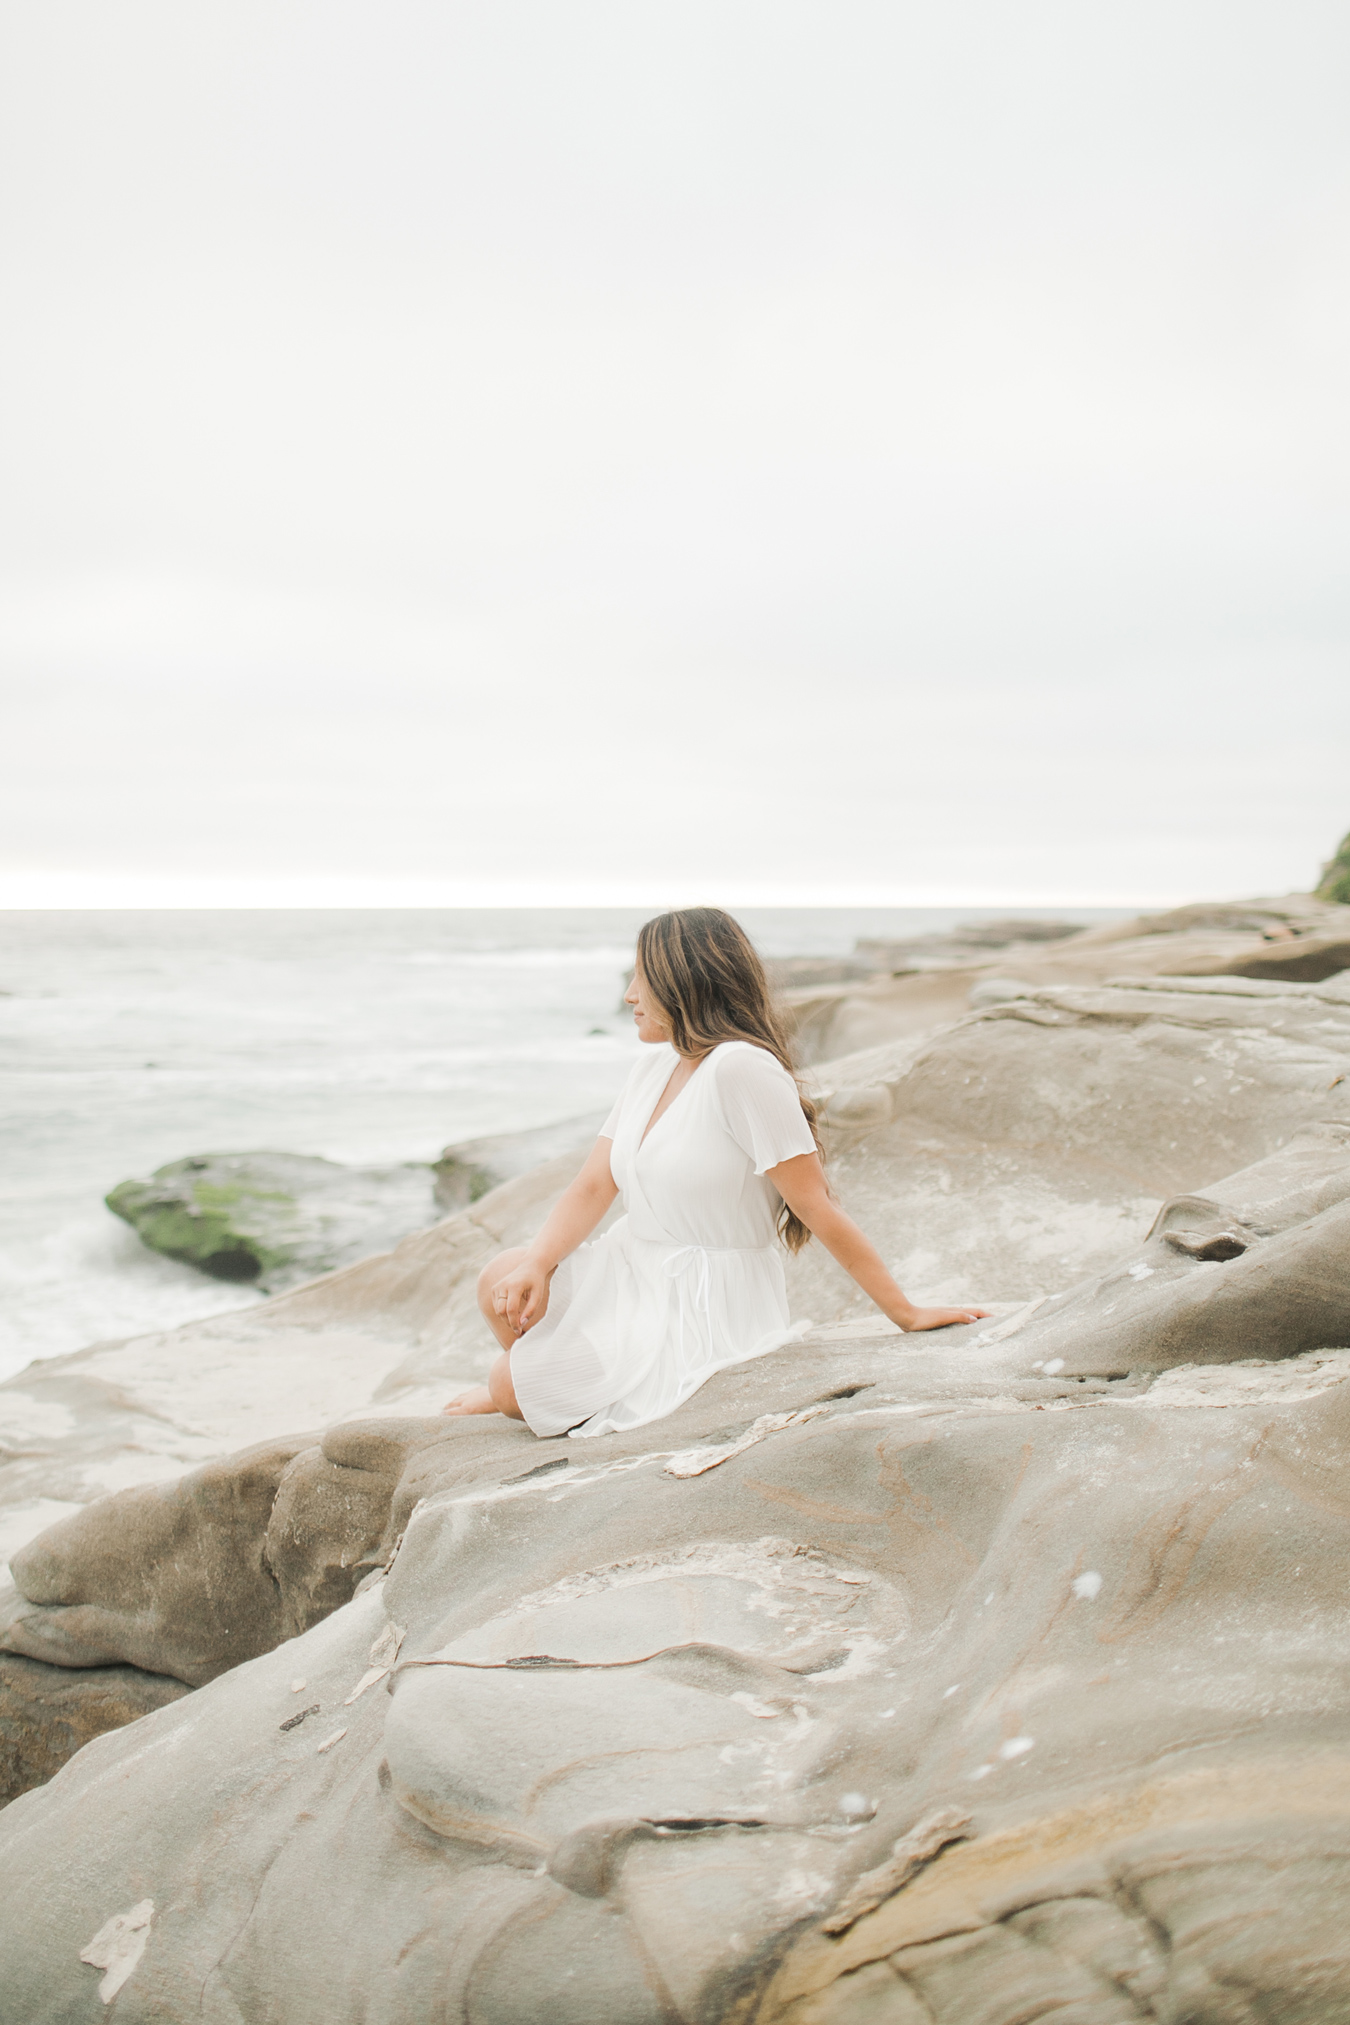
(275, 1218)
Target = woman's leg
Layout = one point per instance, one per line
(501, 1390)
(498, 1395)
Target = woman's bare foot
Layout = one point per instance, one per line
(476, 1400)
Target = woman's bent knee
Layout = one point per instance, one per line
(495, 1270)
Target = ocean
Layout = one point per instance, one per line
(131, 1039)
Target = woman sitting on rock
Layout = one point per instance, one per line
(714, 1150)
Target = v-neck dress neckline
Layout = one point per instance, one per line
(690, 1278)
(652, 1120)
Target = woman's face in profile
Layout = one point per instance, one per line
(650, 1023)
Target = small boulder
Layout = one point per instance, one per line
(275, 1218)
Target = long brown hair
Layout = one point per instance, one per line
(705, 975)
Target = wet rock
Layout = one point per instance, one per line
(274, 1218)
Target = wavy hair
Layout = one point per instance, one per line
(705, 975)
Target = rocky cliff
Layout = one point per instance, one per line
(982, 1677)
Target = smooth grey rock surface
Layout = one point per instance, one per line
(646, 1731)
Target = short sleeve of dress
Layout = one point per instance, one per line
(611, 1124)
(761, 1107)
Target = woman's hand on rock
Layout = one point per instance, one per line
(939, 1318)
(520, 1297)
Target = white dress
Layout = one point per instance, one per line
(690, 1279)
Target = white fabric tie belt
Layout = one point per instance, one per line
(687, 1256)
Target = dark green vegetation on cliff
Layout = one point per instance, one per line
(1335, 884)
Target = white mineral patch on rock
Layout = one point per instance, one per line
(367, 1680)
(117, 1947)
(1253, 1383)
(695, 1462)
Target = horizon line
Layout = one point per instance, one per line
(55, 892)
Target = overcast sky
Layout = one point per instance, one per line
(739, 448)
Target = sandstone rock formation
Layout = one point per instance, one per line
(1299, 938)
(955, 1680)
(277, 1218)
(633, 1736)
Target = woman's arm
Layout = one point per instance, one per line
(801, 1183)
(522, 1296)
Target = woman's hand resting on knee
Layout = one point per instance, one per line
(520, 1297)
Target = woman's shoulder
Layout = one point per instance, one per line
(747, 1062)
